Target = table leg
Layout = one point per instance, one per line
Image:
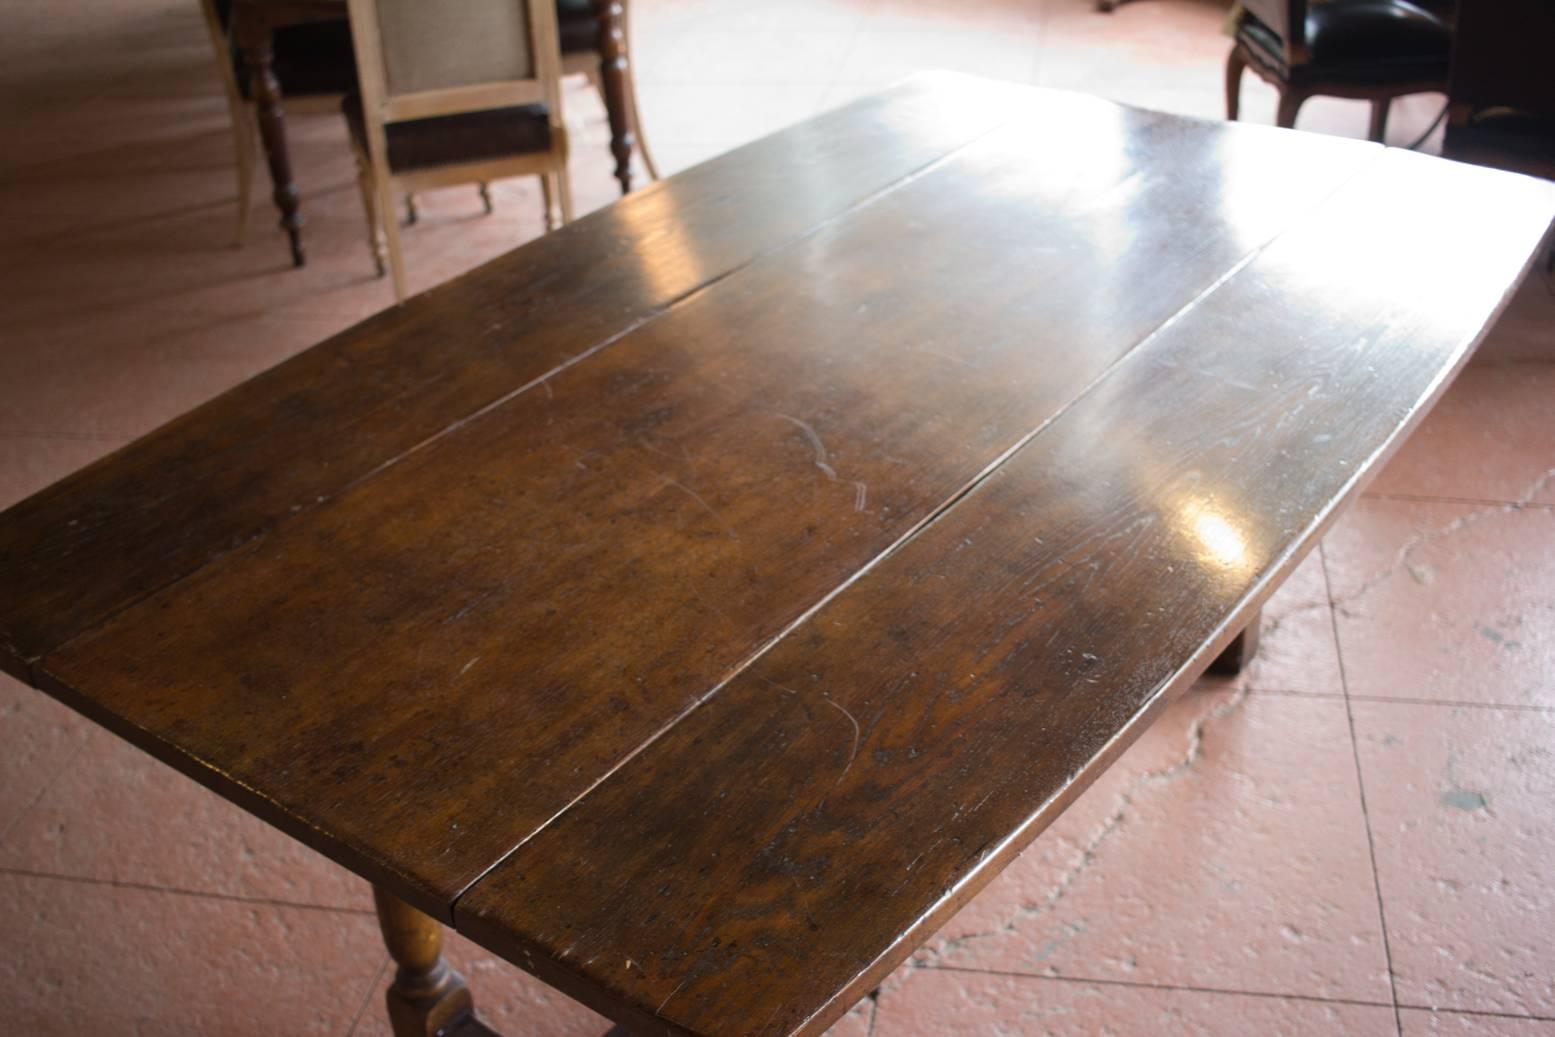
(254, 39)
(613, 70)
(1242, 650)
(428, 998)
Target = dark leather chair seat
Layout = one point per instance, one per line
(1362, 41)
(577, 24)
(456, 139)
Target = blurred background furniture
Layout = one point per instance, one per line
(1501, 93)
(279, 45)
(453, 92)
(311, 57)
(1372, 50)
(595, 38)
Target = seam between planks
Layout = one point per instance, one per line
(35, 666)
(935, 515)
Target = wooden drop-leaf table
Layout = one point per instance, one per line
(696, 606)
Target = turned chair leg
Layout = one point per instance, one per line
(485, 190)
(427, 998)
(1290, 104)
(412, 214)
(1235, 65)
(1241, 651)
(1379, 120)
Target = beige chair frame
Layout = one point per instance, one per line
(245, 126)
(381, 108)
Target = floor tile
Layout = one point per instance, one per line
(80, 959)
(1418, 1023)
(29, 463)
(1297, 651)
(1526, 331)
(944, 1003)
(511, 1001)
(1490, 437)
(1448, 602)
(1459, 801)
(41, 738)
(118, 815)
(1226, 850)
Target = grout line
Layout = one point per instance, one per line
(1386, 699)
(1488, 502)
(1182, 987)
(1230, 992)
(48, 783)
(146, 887)
(367, 998)
(1360, 786)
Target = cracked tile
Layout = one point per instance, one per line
(942, 1004)
(1448, 602)
(86, 959)
(1459, 800)
(1226, 850)
(1297, 651)
(118, 815)
(1490, 437)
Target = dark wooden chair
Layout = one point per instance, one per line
(599, 48)
(1372, 50)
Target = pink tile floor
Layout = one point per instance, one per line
(1356, 837)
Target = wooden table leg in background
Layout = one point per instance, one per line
(253, 35)
(428, 998)
(613, 76)
(1241, 651)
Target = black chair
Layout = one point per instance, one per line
(1372, 50)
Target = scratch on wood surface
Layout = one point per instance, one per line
(466, 667)
(860, 490)
(857, 733)
(694, 495)
(672, 993)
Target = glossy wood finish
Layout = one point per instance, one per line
(427, 998)
(473, 564)
(291, 438)
(780, 850)
(734, 580)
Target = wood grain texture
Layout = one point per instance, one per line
(416, 675)
(300, 433)
(775, 854)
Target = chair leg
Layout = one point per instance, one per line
(637, 126)
(364, 181)
(1379, 120)
(391, 233)
(411, 215)
(245, 134)
(548, 202)
(1235, 66)
(485, 190)
(564, 193)
(1290, 104)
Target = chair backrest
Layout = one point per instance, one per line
(422, 58)
(1287, 19)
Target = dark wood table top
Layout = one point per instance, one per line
(737, 579)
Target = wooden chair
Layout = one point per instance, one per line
(454, 92)
(312, 62)
(1372, 50)
(604, 57)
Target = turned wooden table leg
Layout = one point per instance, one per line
(253, 35)
(428, 998)
(1242, 650)
(613, 77)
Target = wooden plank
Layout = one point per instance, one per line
(206, 483)
(774, 855)
(422, 671)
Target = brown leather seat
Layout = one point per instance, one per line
(455, 139)
(1362, 41)
(1372, 50)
